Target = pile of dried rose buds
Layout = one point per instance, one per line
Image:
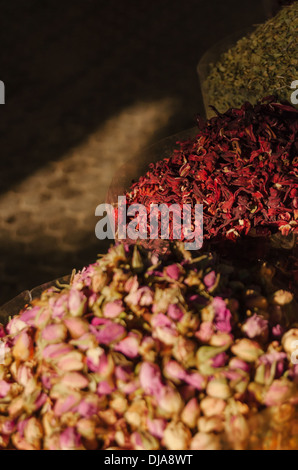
(149, 352)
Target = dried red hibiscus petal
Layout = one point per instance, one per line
(242, 166)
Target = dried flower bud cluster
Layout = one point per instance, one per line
(168, 352)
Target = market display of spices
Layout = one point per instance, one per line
(242, 166)
(260, 64)
(143, 351)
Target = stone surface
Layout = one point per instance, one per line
(88, 85)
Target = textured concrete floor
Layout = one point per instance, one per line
(88, 85)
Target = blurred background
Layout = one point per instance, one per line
(89, 83)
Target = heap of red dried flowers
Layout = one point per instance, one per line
(242, 166)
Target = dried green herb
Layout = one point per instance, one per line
(261, 64)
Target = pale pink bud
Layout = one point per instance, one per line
(144, 441)
(176, 436)
(236, 363)
(33, 433)
(86, 428)
(278, 393)
(55, 333)
(15, 326)
(53, 351)
(113, 309)
(190, 413)
(71, 361)
(136, 413)
(99, 362)
(210, 424)
(128, 346)
(66, 403)
(76, 303)
(247, 350)
(173, 370)
(290, 341)
(76, 326)
(196, 380)
(218, 388)
(169, 401)
(237, 430)
(75, 380)
(205, 332)
(85, 342)
(23, 374)
(23, 347)
(204, 441)
(212, 406)
(105, 388)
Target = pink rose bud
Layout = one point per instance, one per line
(66, 403)
(196, 380)
(173, 370)
(150, 378)
(113, 309)
(53, 351)
(28, 316)
(128, 346)
(110, 333)
(205, 332)
(105, 388)
(4, 388)
(156, 427)
(175, 312)
(210, 280)
(76, 326)
(71, 362)
(54, 333)
(144, 441)
(75, 380)
(88, 406)
(236, 363)
(70, 439)
(255, 326)
(173, 271)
